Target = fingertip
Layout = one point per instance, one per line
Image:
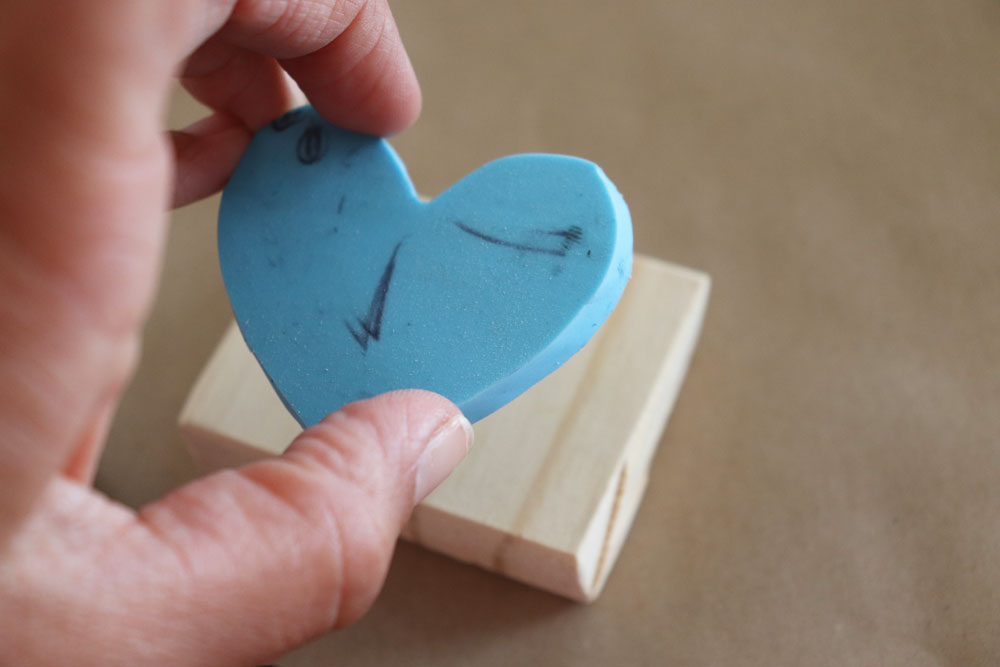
(402, 98)
(440, 436)
(205, 155)
(397, 446)
(422, 410)
(392, 107)
(398, 425)
(403, 109)
(363, 80)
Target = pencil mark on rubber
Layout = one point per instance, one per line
(370, 327)
(525, 247)
(311, 147)
(285, 121)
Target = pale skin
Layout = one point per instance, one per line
(241, 566)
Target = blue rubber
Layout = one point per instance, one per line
(345, 285)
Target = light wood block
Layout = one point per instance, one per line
(549, 491)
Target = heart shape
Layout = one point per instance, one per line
(346, 285)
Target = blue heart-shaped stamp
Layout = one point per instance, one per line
(346, 285)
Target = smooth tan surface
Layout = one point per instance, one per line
(549, 492)
(827, 491)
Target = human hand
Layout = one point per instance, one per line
(243, 565)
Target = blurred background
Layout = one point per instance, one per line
(827, 490)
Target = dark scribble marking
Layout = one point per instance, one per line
(285, 121)
(340, 204)
(371, 325)
(348, 161)
(570, 236)
(311, 146)
(558, 252)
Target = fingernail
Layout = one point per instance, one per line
(447, 447)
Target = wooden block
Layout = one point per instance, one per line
(549, 492)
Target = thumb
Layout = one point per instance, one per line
(265, 557)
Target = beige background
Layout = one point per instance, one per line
(828, 491)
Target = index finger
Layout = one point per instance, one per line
(346, 55)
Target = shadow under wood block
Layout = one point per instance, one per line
(549, 492)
